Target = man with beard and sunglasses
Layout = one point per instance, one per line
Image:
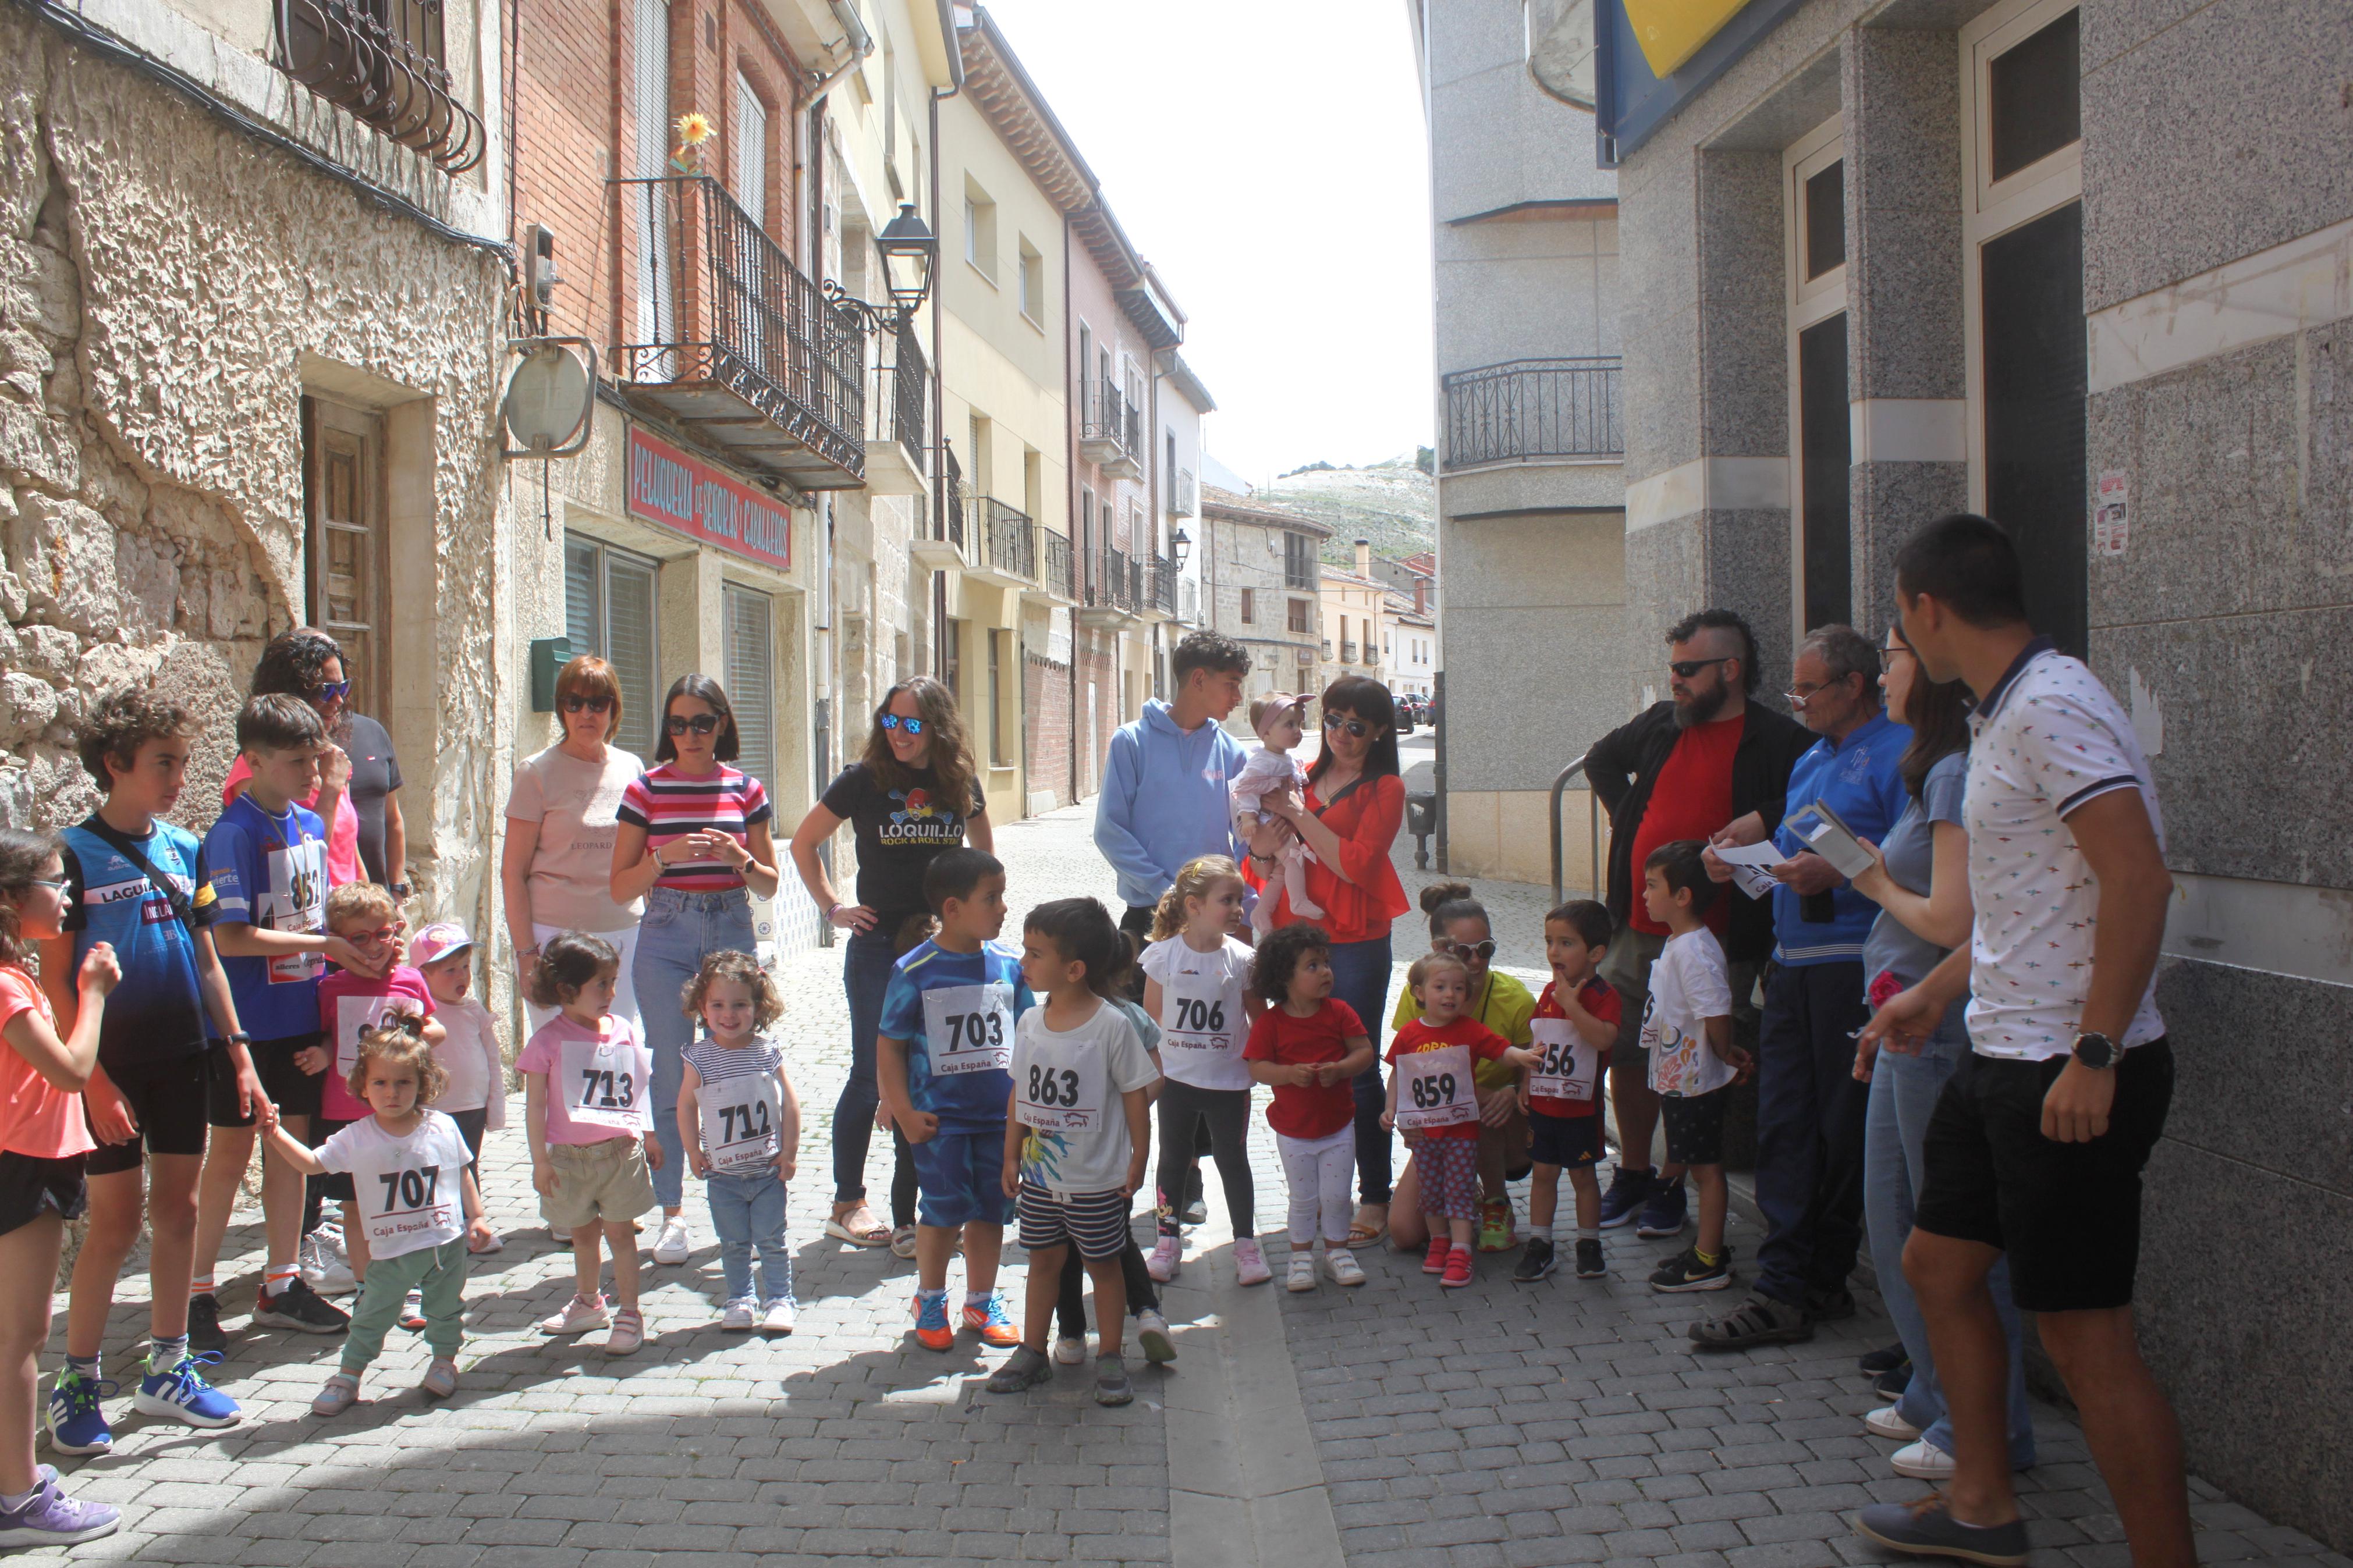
(1684, 768)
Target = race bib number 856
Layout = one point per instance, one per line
(1566, 1066)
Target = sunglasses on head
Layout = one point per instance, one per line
(1469, 951)
(1684, 668)
(892, 721)
(701, 724)
(575, 703)
(1357, 729)
(330, 691)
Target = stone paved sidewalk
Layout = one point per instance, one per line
(1561, 1423)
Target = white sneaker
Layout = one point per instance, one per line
(1163, 1261)
(1071, 1352)
(1884, 1423)
(1249, 1262)
(674, 1242)
(1346, 1269)
(1922, 1462)
(322, 1270)
(780, 1317)
(1152, 1333)
(739, 1313)
(1302, 1273)
(577, 1316)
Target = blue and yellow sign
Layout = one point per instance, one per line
(1652, 56)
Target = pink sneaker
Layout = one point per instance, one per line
(579, 1315)
(628, 1331)
(1162, 1261)
(1250, 1263)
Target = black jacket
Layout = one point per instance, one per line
(1623, 766)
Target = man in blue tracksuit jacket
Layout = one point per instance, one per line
(1165, 787)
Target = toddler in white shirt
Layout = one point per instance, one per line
(1269, 769)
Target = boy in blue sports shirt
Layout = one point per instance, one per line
(266, 860)
(944, 1063)
(134, 881)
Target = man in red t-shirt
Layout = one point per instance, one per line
(1682, 769)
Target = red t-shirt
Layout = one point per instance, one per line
(1485, 1045)
(1599, 1000)
(1691, 799)
(1307, 1110)
(37, 1117)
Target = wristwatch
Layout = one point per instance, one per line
(240, 1037)
(399, 889)
(2096, 1051)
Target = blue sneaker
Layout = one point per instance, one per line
(1628, 1190)
(994, 1323)
(76, 1419)
(183, 1394)
(933, 1331)
(1664, 1214)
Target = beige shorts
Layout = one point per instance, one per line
(606, 1181)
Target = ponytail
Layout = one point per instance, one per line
(1195, 880)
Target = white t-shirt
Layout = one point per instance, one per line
(477, 1073)
(1203, 1025)
(1689, 983)
(1066, 1088)
(2046, 739)
(412, 1189)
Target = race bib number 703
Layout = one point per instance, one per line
(969, 1027)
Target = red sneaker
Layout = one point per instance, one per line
(1439, 1247)
(1458, 1268)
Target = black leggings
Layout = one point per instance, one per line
(1226, 1114)
(1070, 1306)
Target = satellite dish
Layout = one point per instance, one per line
(550, 395)
(1561, 48)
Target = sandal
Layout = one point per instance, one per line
(876, 1235)
(1363, 1231)
(903, 1241)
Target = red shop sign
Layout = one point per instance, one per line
(684, 493)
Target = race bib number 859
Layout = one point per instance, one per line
(1436, 1091)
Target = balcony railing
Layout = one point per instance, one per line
(1058, 566)
(1110, 582)
(1534, 409)
(1111, 431)
(1188, 601)
(1009, 541)
(898, 401)
(951, 522)
(385, 68)
(1185, 495)
(1163, 585)
(732, 326)
(1348, 653)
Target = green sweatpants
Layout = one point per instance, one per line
(440, 1272)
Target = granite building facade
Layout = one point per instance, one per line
(2085, 266)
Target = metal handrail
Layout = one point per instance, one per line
(1593, 829)
(1532, 409)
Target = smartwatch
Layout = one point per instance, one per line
(240, 1037)
(399, 889)
(2096, 1051)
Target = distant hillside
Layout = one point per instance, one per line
(1394, 504)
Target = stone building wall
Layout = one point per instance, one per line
(169, 288)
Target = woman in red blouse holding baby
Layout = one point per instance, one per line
(1353, 806)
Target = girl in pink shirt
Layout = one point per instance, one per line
(43, 1138)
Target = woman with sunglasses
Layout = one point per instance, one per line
(693, 842)
(914, 793)
(1349, 817)
(563, 820)
(359, 777)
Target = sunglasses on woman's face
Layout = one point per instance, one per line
(893, 722)
(1473, 951)
(1357, 729)
(330, 691)
(701, 724)
(579, 704)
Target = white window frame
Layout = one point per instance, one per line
(1808, 302)
(1990, 207)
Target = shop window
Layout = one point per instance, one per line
(750, 622)
(608, 610)
(344, 542)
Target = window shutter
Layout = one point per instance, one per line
(751, 680)
(652, 84)
(629, 650)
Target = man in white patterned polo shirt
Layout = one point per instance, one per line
(2037, 1144)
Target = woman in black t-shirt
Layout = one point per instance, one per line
(914, 794)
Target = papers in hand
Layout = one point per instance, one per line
(1752, 865)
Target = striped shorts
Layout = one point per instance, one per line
(1096, 1223)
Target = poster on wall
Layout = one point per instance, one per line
(679, 491)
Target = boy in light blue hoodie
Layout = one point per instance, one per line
(1166, 784)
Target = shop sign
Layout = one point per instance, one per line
(1651, 56)
(687, 495)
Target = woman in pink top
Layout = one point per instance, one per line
(43, 1138)
(308, 664)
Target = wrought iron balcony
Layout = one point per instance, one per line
(1184, 494)
(1007, 539)
(897, 399)
(1533, 410)
(1058, 567)
(1111, 583)
(1111, 431)
(1162, 585)
(1348, 653)
(384, 63)
(1188, 601)
(740, 345)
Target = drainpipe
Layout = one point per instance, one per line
(939, 371)
(1070, 501)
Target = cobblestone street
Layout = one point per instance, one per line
(1561, 1423)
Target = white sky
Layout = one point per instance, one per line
(1269, 158)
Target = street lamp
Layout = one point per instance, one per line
(910, 251)
(1180, 545)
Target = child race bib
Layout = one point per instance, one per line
(1566, 1066)
(1435, 1089)
(411, 1192)
(604, 1082)
(969, 1028)
(1197, 1015)
(1060, 1091)
(743, 1120)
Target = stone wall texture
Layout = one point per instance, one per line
(163, 279)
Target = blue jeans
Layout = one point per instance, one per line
(748, 1210)
(1903, 1090)
(679, 931)
(1809, 1115)
(1360, 977)
(866, 964)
